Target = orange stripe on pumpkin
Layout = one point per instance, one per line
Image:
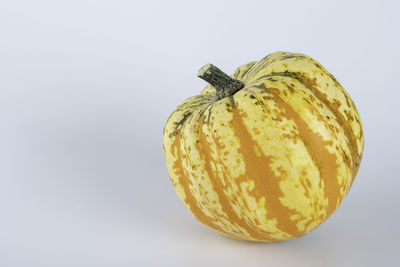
(184, 182)
(219, 188)
(315, 145)
(266, 183)
(334, 108)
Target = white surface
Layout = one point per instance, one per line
(85, 90)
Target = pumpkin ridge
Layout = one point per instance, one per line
(310, 84)
(211, 222)
(321, 157)
(274, 57)
(219, 188)
(305, 220)
(238, 74)
(267, 62)
(266, 182)
(186, 110)
(190, 200)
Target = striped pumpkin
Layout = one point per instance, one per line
(267, 154)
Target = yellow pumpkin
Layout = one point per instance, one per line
(267, 154)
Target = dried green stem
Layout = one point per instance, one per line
(224, 85)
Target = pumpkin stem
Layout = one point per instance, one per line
(223, 84)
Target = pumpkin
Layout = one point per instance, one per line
(267, 154)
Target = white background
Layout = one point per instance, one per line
(85, 90)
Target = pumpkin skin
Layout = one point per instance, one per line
(272, 161)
